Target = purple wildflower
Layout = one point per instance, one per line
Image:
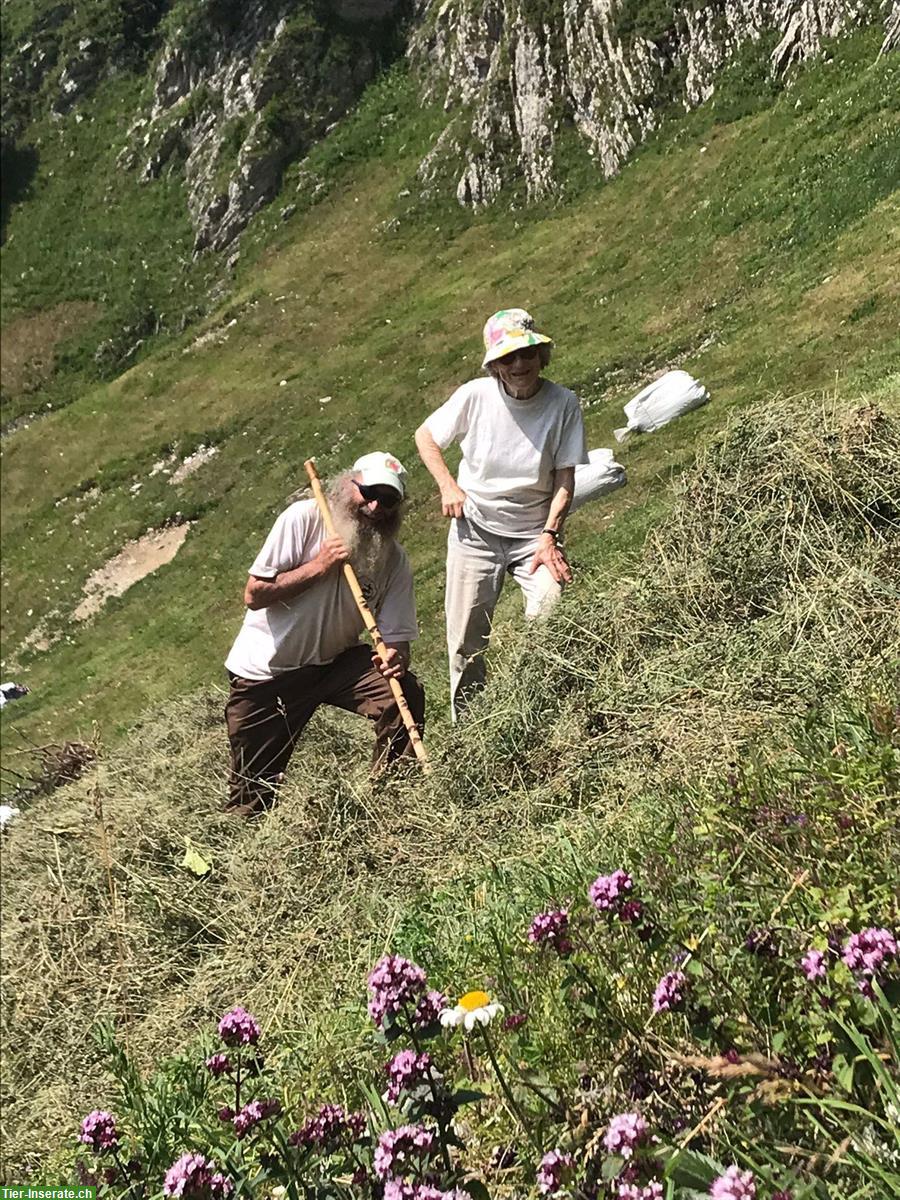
(239, 1028)
(400, 1189)
(398, 1147)
(607, 890)
(553, 1171)
(329, 1123)
(513, 1022)
(867, 952)
(552, 929)
(625, 1133)
(98, 1130)
(194, 1178)
(633, 1191)
(356, 1125)
(251, 1115)
(429, 1009)
(393, 983)
(218, 1064)
(734, 1185)
(813, 964)
(631, 912)
(669, 992)
(405, 1071)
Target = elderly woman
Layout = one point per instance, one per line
(521, 438)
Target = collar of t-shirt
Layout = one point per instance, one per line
(528, 399)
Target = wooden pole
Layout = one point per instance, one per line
(369, 620)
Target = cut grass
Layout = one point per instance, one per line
(766, 602)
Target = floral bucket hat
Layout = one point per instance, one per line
(510, 329)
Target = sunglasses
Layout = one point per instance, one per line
(389, 499)
(524, 351)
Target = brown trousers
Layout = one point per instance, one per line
(266, 717)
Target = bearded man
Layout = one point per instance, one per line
(299, 645)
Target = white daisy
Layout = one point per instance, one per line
(474, 1008)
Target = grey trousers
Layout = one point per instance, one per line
(477, 563)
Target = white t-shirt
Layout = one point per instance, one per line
(510, 450)
(319, 624)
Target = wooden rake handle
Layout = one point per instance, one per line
(369, 619)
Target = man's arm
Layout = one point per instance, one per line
(452, 496)
(396, 663)
(548, 552)
(261, 593)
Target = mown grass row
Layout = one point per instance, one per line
(717, 720)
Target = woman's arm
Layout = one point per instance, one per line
(549, 552)
(452, 496)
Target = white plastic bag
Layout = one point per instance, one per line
(662, 401)
(603, 474)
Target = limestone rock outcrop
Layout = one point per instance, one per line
(515, 75)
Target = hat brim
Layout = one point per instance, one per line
(516, 341)
(383, 478)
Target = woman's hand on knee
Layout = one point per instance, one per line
(553, 557)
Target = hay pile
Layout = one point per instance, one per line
(772, 587)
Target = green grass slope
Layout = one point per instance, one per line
(759, 252)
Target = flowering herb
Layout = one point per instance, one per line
(868, 952)
(394, 982)
(195, 1178)
(399, 1150)
(428, 1010)
(239, 1028)
(98, 1130)
(735, 1184)
(218, 1064)
(607, 892)
(625, 1133)
(406, 1071)
(813, 965)
(670, 992)
(554, 1171)
(552, 929)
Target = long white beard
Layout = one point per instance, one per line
(369, 547)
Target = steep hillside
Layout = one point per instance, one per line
(713, 710)
(757, 252)
(719, 720)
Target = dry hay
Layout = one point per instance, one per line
(772, 586)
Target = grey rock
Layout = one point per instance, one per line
(508, 79)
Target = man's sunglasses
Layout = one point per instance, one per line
(387, 499)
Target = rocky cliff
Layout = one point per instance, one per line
(513, 75)
(237, 90)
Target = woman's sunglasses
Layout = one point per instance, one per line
(389, 499)
(524, 351)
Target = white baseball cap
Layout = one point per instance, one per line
(380, 468)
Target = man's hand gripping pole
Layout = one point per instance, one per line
(369, 620)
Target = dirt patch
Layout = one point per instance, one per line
(29, 343)
(134, 561)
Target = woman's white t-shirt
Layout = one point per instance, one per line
(510, 450)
